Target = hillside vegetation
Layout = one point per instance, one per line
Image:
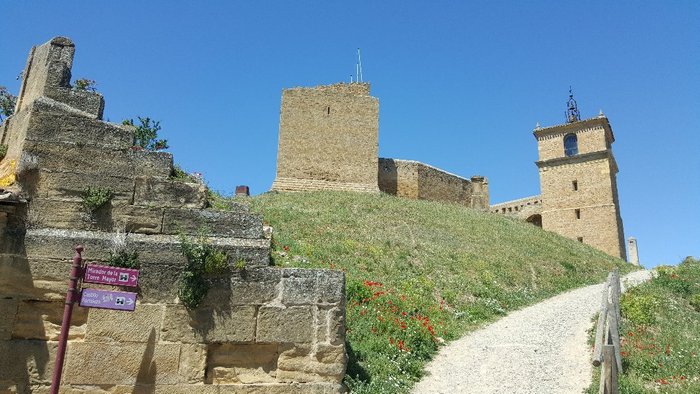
(660, 333)
(420, 273)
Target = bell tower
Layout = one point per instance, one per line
(578, 181)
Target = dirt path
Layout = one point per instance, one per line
(540, 349)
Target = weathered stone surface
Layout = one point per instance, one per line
(224, 223)
(254, 286)
(72, 185)
(90, 102)
(330, 324)
(69, 213)
(138, 219)
(8, 310)
(16, 281)
(66, 127)
(188, 389)
(141, 325)
(292, 324)
(312, 286)
(42, 320)
(283, 388)
(206, 325)
(26, 362)
(158, 282)
(298, 363)
(129, 363)
(165, 192)
(244, 363)
(193, 363)
(60, 244)
(149, 163)
(87, 159)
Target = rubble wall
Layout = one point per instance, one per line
(259, 329)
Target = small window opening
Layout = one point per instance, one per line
(580, 239)
(578, 214)
(328, 110)
(574, 184)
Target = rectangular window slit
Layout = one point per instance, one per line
(578, 214)
(580, 239)
(574, 184)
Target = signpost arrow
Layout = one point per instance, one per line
(108, 299)
(106, 275)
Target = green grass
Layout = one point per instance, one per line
(661, 333)
(420, 273)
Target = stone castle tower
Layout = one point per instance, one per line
(328, 139)
(578, 181)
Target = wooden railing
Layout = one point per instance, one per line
(606, 350)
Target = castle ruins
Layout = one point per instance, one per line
(259, 328)
(329, 140)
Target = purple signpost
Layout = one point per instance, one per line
(92, 298)
(106, 275)
(107, 299)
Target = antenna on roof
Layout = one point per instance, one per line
(359, 66)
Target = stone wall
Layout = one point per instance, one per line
(328, 139)
(527, 208)
(259, 329)
(415, 180)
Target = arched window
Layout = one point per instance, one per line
(570, 145)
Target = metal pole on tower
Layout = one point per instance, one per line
(359, 64)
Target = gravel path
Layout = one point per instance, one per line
(540, 349)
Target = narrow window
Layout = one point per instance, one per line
(328, 109)
(574, 184)
(580, 239)
(578, 214)
(570, 145)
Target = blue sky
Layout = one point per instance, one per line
(461, 85)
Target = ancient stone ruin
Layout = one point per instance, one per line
(259, 328)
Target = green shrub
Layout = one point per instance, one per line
(669, 277)
(7, 103)
(203, 259)
(85, 85)
(695, 301)
(639, 308)
(146, 134)
(96, 197)
(124, 259)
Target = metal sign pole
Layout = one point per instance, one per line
(71, 298)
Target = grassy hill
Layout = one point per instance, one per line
(420, 273)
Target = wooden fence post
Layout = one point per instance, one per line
(609, 370)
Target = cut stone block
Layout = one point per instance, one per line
(224, 223)
(193, 363)
(242, 364)
(312, 286)
(121, 363)
(72, 185)
(67, 127)
(148, 163)
(282, 388)
(138, 219)
(293, 324)
(42, 320)
(248, 287)
(164, 192)
(91, 102)
(118, 326)
(297, 363)
(8, 311)
(206, 325)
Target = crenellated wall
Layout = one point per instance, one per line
(259, 329)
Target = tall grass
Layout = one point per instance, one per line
(420, 273)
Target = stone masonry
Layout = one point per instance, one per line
(418, 181)
(259, 329)
(328, 139)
